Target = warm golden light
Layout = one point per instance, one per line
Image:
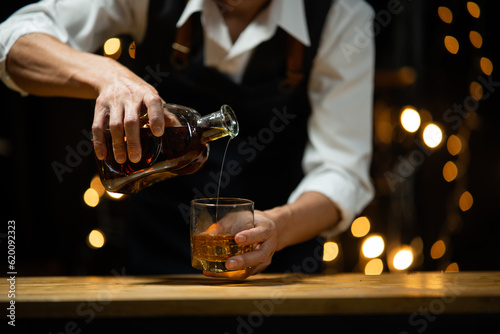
(451, 44)
(452, 268)
(410, 119)
(360, 227)
(476, 90)
(445, 14)
(454, 145)
(114, 195)
(97, 185)
(96, 239)
(91, 197)
(112, 46)
(131, 50)
(374, 267)
(403, 259)
(486, 65)
(373, 246)
(476, 39)
(473, 9)
(438, 249)
(432, 135)
(450, 171)
(330, 251)
(465, 202)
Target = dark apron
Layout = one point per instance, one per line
(263, 163)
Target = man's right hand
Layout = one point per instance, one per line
(42, 65)
(119, 106)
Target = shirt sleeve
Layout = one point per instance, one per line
(338, 153)
(82, 24)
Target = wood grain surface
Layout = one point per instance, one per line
(188, 295)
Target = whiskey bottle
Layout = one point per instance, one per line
(182, 149)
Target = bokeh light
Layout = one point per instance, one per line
(410, 119)
(403, 259)
(438, 249)
(96, 239)
(91, 197)
(445, 14)
(450, 171)
(432, 135)
(476, 39)
(466, 201)
(330, 251)
(112, 48)
(374, 267)
(454, 145)
(451, 44)
(486, 65)
(360, 227)
(473, 9)
(373, 246)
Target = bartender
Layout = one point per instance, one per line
(299, 75)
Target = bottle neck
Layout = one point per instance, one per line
(219, 124)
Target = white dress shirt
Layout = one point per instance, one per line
(338, 153)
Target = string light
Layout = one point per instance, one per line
(454, 145)
(432, 135)
(465, 201)
(451, 44)
(330, 251)
(374, 267)
(486, 65)
(131, 50)
(91, 197)
(452, 268)
(403, 258)
(96, 239)
(473, 9)
(445, 14)
(450, 171)
(410, 119)
(438, 249)
(373, 246)
(360, 227)
(112, 48)
(476, 39)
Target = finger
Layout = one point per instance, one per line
(131, 124)
(116, 129)
(99, 126)
(254, 235)
(261, 255)
(154, 105)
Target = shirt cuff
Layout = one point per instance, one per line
(341, 188)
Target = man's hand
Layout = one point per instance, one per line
(120, 104)
(263, 237)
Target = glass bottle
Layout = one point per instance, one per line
(182, 149)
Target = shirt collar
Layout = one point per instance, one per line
(289, 15)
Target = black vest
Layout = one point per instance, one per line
(263, 163)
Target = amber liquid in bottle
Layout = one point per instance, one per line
(181, 150)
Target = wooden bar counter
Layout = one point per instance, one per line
(406, 303)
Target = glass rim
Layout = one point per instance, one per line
(222, 201)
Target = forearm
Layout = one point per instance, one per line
(303, 219)
(42, 65)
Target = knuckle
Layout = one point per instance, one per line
(131, 122)
(153, 99)
(116, 127)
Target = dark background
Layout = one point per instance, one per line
(52, 220)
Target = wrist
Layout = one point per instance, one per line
(281, 216)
